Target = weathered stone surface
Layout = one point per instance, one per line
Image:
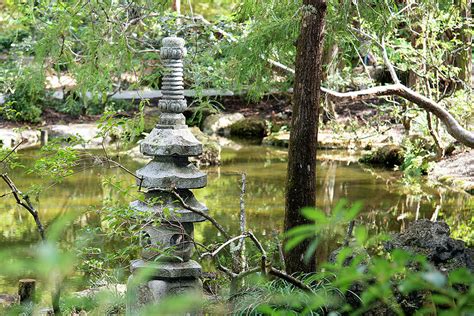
(9, 138)
(456, 171)
(152, 292)
(167, 245)
(169, 208)
(432, 240)
(167, 270)
(164, 173)
(279, 139)
(249, 128)
(89, 133)
(211, 151)
(7, 300)
(220, 123)
(119, 289)
(168, 242)
(168, 142)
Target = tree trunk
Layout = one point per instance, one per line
(301, 180)
(26, 290)
(176, 6)
(463, 59)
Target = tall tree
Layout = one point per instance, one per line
(463, 59)
(301, 180)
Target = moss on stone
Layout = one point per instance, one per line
(387, 156)
(249, 128)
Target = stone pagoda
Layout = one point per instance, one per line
(167, 179)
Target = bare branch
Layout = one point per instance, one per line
(199, 212)
(219, 249)
(389, 65)
(12, 151)
(289, 279)
(24, 200)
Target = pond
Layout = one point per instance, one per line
(389, 203)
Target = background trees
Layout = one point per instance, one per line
(106, 47)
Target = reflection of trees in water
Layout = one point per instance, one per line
(329, 184)
(389, 204)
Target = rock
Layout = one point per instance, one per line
(211, 150)
(279, 139)
(387, 156)
(220, 123)
(249, 128)
(456, 171)
(88, 133)
(120, 289)
(9, 138)
(7, 300)
(432, 240)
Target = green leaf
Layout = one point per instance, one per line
(361, 235)
(308, 229)
(310, 250)
(441, 299)
(295, 241)
(314, 214)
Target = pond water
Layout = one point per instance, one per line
(389, 204)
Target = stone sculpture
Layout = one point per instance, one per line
(167, 242)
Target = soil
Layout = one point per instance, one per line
(51, 117)
(457, 170)
(274, 107)
(461, 165)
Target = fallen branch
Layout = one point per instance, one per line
(265, 267)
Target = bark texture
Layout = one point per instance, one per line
(301, 180)
(463, 59)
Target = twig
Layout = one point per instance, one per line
(282, 275)
(263, 263)
(12, 151)
(264, 268)
(24, 200)
(219, 249)
(349, 233)
(243, 226)
(389, 65)
(199, 212)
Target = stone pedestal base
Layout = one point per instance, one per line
(151, 282)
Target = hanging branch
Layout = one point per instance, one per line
(453, 127)
(24, 200)
(12, 151)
